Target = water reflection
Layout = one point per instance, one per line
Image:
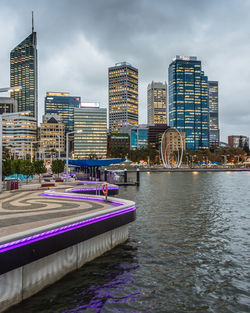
(188, 251)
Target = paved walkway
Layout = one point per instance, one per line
(24, 210)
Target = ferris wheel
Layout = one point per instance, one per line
(169, 158)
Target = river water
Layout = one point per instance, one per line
(188, 251)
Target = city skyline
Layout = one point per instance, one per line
(189, 102)
(90, 48)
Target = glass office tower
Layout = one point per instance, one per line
(90, 137)
(138, 137)
(63, 104)
(188, 101)
(123, 96)
(157, 103)
(23, 72)
(214, 132)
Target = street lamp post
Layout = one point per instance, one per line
(67, 151)
(59, 147)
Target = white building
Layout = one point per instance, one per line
(18, 133)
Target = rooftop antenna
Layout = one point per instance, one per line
(32, 22)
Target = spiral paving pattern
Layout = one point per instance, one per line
(25, 210)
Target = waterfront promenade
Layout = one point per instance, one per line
(185, 169)
(45, 234)
(27, 210)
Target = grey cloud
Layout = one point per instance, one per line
(78, 40)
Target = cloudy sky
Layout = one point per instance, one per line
(78, 40)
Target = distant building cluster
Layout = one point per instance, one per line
(188, 102)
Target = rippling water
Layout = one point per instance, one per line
(188, 251)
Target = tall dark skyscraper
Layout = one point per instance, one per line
(214, 132)
(188, 101)
(23, 72)
(123, 96)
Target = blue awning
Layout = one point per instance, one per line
(94, 162)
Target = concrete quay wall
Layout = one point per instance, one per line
(35, 258)
(25, 281)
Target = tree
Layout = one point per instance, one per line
(93, 156)
(241, 142)
(246, 147)
(6, 153)
(16, 167)
(39, 168)
(6, 167)
(117, 152)
(27, 169)
(35, 148)
(57, 166)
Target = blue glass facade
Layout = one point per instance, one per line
(62, 104)
(138, 138)
(23, 72)
(188, 101)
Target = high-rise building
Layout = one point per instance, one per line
(214, 132)
(23, 72)
(8, 105)
(157, 103)
(188, 101)
(50, 130)
(123, 96)
(235, 141)
(90, 137)
(63, 104)
(18, 134)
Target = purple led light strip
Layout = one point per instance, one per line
(80, 197)
(243, 169)
(53, 232)
(93, 189)
(93, 182)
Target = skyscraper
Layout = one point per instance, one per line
(188, 101)
(23, 72)
(157, 103)
(91, 123)
(214, 132)
(123, 96)
(63, 104)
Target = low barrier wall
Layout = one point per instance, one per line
(32, 260)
